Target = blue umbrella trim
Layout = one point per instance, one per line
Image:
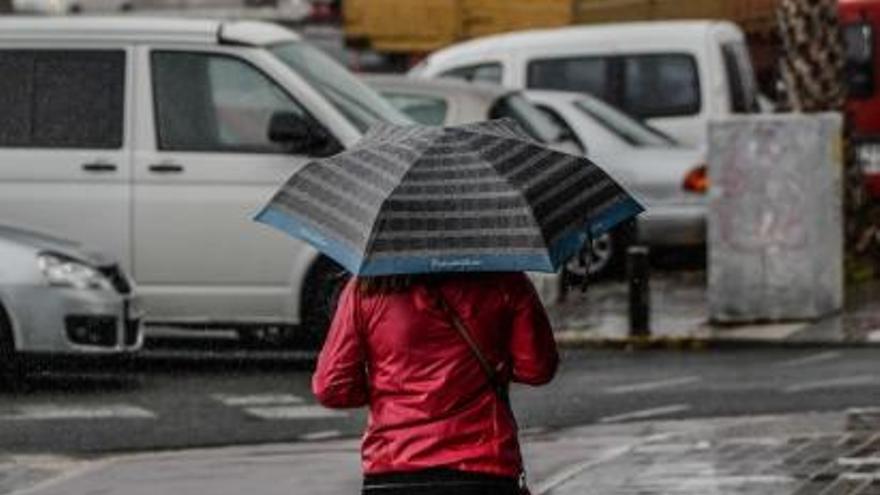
(349, 259)
(457, 263)
(571, 243)
(564, 249)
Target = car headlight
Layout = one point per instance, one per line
(869, 157)
(62, 271)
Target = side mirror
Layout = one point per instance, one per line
(299, 136)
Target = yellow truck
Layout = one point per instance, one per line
(413, 28)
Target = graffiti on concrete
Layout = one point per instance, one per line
(764, 200)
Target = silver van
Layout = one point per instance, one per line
(157, 140)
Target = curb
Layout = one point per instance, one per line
(698, 343)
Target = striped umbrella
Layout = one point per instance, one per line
(477, 197)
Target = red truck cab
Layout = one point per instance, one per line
(860, 20)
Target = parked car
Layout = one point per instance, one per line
(60, 299)
(443, 102)
(676, 75)
(61, 7)
(157, 140)
(669, 179)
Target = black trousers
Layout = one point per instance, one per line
(437, 482)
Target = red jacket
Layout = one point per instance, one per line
(429, 399)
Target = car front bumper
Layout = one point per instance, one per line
(70, 321)
(673, 225)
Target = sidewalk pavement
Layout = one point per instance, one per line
(680, 319)
(800, 454)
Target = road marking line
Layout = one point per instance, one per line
(646, 413)
(834, 383)
(645, 386)
(53, 412)
(293, 412)
(321, 435)
(78, 472)
(546, 486)
(812, 359)
(257, 399)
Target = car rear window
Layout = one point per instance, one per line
(62, 98)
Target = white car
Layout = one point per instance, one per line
(58, 299)
(62, 7)
(158, 140)
(669, 179)
(676, 75)
(446, 102)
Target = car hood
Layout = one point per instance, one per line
(40, 241)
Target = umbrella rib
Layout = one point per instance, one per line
(371, 238)
(506, 178)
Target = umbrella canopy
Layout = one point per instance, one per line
(477, 197)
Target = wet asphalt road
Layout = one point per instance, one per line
(169, 401)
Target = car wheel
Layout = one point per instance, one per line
(11, 366)
(603, 260)
(318, 303)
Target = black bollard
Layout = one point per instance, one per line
(639, 291)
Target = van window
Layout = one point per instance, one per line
(62, 98)
(740, 82)
(581, 74)
(210, 102)
(487, 73)
(356, 101)
(427, 110)
(660, 85)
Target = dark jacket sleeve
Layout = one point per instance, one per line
(340, 379)
(532, 346)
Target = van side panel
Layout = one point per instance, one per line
(68, 171)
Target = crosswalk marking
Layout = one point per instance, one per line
(73, 411)
(320, 435)
(275, 406)
(646, 413)
(292, 412)
(852, 381)
(654, 385)
(811, 359)
(257, 399)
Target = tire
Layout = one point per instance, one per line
(11, 365)
(602, 261)
(318, 301)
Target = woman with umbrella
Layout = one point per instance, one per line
(437, 225)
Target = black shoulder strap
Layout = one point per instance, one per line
(459, 325)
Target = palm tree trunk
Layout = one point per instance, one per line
(812, 76)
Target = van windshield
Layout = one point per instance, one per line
(627, 128)
(360, 104)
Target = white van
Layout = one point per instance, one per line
(675, 75)
(150, 139)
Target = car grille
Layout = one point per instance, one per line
(117, 278)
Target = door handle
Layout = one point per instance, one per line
(99, 167)
(166, 168)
